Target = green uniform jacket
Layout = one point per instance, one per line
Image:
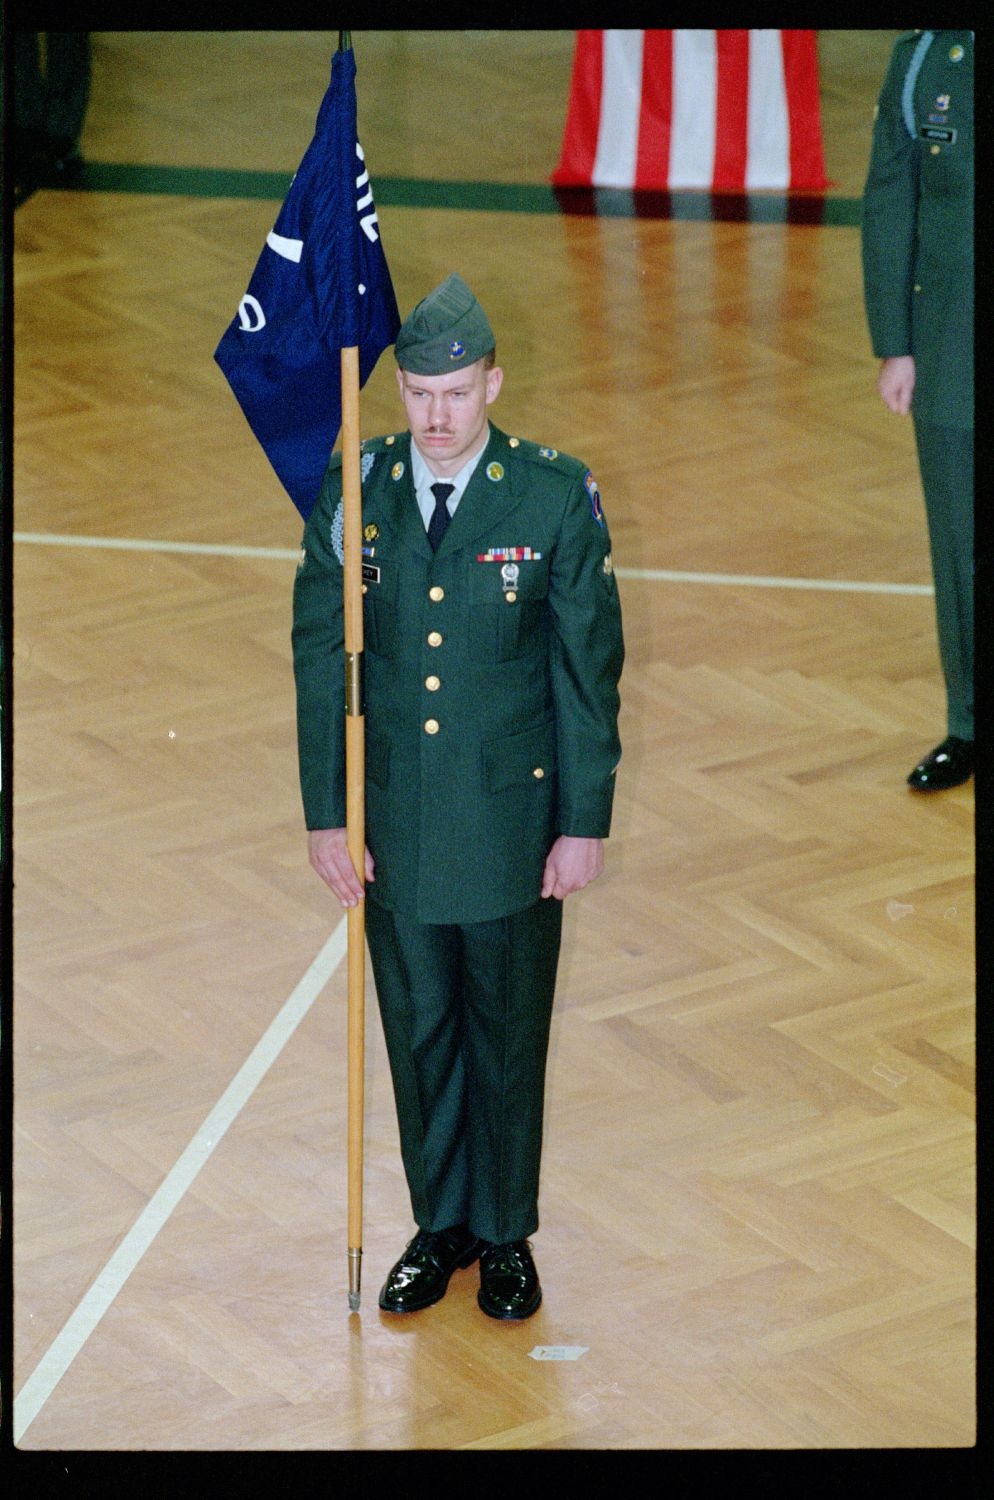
(917, 229)
(491, 701)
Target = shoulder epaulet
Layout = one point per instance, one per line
(378, 444)
(548, 458)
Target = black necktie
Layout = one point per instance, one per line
(440, 517)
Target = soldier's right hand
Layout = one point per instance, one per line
(327, 849)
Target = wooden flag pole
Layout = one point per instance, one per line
(355, 814)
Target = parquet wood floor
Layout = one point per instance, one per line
(758, 1189)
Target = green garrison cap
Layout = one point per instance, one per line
(446, 331)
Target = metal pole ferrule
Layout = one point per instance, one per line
(355, 1278)
(354, 705)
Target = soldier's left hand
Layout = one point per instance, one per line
(571, 864)
(896, 383)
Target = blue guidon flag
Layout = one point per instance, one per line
(320, 285)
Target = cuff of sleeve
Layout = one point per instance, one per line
(592, 820)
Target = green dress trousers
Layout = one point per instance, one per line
(468, 1078)
(945, 458)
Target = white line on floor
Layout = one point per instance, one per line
(649, 575)
(140, 544)
(75, 1332)
(752, 580)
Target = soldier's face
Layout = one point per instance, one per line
(447, 414)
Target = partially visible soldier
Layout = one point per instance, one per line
(917, 242)
(492, 653)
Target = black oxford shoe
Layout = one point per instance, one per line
(421, 1276)
(509, 1286)
(947, 765)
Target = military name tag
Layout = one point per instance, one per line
(936, 133)
(370, 573)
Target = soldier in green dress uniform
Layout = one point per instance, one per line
(492, 653)
(917, 241)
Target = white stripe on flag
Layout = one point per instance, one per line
(768, 157)
(621, 103)
(695, 107)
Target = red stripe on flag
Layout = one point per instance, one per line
(731, 141)
(576, 162)
(652, 164)
(800, 67)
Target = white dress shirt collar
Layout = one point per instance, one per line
(423, 479)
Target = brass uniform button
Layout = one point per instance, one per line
(436, 593)
(434, 638)
(365, 588)
(433, 684)
(390, 441)
(513, 442)
(538, 773)
(431, 726)
(511, 597)
(936, 150)
(918, 287)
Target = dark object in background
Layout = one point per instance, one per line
(51, 92)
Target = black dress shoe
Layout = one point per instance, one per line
(509, 1286)
(421, 1276)
(947, 765)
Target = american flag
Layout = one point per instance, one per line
(720, 111)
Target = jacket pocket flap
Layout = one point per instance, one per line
(529, 755)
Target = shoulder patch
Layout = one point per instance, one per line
(590, 485)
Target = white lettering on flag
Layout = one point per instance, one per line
(248, 306)
(289, 249)
(367, 221)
